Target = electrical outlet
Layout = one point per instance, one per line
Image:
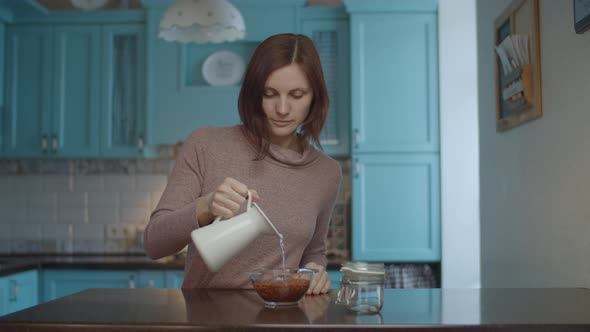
(120, 231)
(113, 231)
(129, 231)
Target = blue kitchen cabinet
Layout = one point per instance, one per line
(74, 90)
(395, 130)
(27, 111)
(59, 283)
(328, 28)
(6, 14)
(52, 98)
(396, 208)
(2, 78)
(122, 91)
(23, 290)
(3, 296)
(394, 82)
(19, 291)
(151, 279)
(335, 277)
(174, 278)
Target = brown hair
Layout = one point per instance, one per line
(273, 53)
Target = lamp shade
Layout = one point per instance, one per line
(202, 21)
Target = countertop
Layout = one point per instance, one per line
(18, 263)
(563, 310)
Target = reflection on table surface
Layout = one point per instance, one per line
(244, 308)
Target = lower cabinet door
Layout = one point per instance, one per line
(3, 297)
(19, 291)
(174, 278)
(396, 207)
(335, 277)
(151, 279)
(23, 290)
(59, 283)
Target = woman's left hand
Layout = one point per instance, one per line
(321, 282)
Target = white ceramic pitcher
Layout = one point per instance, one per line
(223, 239)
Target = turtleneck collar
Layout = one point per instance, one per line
(287, 157)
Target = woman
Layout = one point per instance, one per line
(283, 105)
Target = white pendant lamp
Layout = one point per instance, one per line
(202, 21)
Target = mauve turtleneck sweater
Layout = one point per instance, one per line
(297, 193)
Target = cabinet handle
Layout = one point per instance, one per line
(131, 281)
(13, 291)
(357, 138)
(44, 143)
(54, 144)
(357, 168)
(140, 143)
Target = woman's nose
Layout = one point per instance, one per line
(282, 106)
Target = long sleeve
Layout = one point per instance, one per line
(175, 216)
(316, 249)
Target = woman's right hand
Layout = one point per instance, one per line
(225, 201)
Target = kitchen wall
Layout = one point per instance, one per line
(535, 204)
(459, 151)
(66, 206)
(100, 206)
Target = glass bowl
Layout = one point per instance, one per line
(281, 288)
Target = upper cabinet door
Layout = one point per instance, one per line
(123, 108)
(330, 36)
(27, 128)
(76, 103)
(394, 82)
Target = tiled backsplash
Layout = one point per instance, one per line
(97, 206)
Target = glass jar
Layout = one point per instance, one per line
(361, 286)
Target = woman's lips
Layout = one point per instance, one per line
(280, 123)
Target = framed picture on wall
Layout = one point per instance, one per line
(518, 65)
(581, 15)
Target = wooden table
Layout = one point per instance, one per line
(242, 310)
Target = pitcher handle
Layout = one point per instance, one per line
(249, 203)
(248, 206)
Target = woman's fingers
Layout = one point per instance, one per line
(321, 282)
(255, 196)
(229, 197)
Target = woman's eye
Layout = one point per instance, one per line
(268, 93)
(298, 94)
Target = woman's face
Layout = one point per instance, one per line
(286, 100)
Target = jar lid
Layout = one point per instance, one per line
(363, 269)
